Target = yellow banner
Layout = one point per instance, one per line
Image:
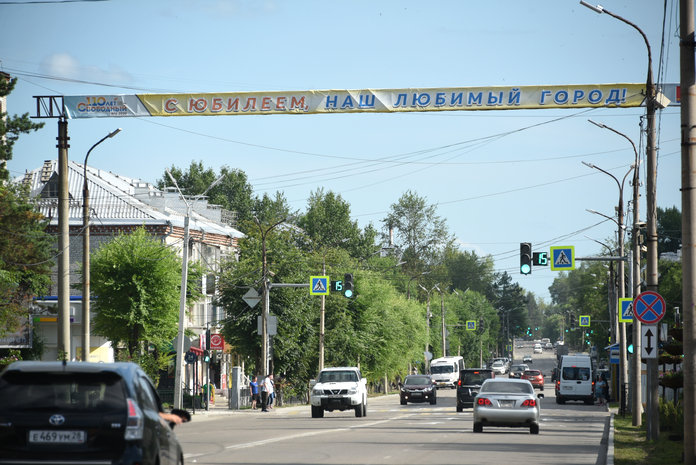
(357, 101)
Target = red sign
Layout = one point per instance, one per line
(649, 307)
(217, 342)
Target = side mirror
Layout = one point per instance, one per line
(312, 382)
(183, 414)
(540, 395)
(401, 385)
(363, 380)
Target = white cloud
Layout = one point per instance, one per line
(66, 66)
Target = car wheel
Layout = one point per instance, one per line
(364, 409)
(358, 411)
(559, 400)
(541, 388)
(433, 400)
(478, 428)
(404, 402)
(589, 401)
(534, 428)
(317, 412)
(459, 408)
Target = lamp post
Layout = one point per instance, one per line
(636, 404)
(623, 366)
(651, 215)
(85, 253)
(266, 289)
(182, 296)
(428, 315)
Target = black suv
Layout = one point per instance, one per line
(106, 413)
(468, 386)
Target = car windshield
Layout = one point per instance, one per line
(439, 369)
(493, 387)
(576, 373)
(63, 391)
(498, 363)
(518, 368)
(472, 378)
(336, 376)
(417, 380)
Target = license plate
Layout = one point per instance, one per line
(416, 394)
(507, 403)
(57, 437)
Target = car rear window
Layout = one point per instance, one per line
(475, 377)
(576, 373)
(66, 391)
(532, 373)
(508, 388)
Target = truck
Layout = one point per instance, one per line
(339, 388)
(445, 371)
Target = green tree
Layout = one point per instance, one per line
(327, 222)
(233, 192)
(419, 232)
(669, 223)
(11, 127)
(138, 280)
(26, 256)
(466, 270)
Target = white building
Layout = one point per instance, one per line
(119, 204)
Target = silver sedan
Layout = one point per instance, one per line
(507, 402)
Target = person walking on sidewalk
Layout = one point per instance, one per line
(254, 390)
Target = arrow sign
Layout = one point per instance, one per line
(648, 341)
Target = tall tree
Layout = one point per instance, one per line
(669, 222)
(419, 231)
(466, 270)
(26, 256)
(232, 193)
(11, 127)
(328, 223)
(138, 280)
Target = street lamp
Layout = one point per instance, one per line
(623, 366)
(266, 289)
(637, 369)
(182, 296)
(428, 315)
(85, 253)
(651, 103)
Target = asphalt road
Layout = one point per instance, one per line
(394, 434)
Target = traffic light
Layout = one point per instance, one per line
(629, 338)
(206, 356)
(348, 285)
(525, 257)
(207, 338)
(481, 326)
(572, 321)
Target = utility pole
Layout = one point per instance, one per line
(63, 243)
(688, 193)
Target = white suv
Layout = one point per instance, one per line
(341, 389)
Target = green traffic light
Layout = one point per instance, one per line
(348, 293)
(525, 269)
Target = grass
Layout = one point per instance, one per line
(632, 448)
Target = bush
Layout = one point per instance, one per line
(671, 416)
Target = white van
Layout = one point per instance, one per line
(445, 370)
(538, 349)
(575, 379)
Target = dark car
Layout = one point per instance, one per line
(517, 370)
(470, 381)
(107, 413)
(418, 388)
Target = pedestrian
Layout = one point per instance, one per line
(601, 390)
(254, 390)
(272, 394)
(270, 391)
(266, 391)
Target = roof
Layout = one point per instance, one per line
(119, 200)
(123, 368)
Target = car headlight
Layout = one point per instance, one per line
(317, 392)
(353, 390)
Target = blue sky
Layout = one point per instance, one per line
(526, 184)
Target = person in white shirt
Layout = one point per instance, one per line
(266, 391)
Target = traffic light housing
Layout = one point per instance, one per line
(206, 356)
(525, 257)
(629, 339)
(348, 290)
(207, 338)
(481, 325)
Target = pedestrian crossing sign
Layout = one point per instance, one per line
(585, 320)
(563, 258)
(319, 285)
(471, 325)
(626, 315)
